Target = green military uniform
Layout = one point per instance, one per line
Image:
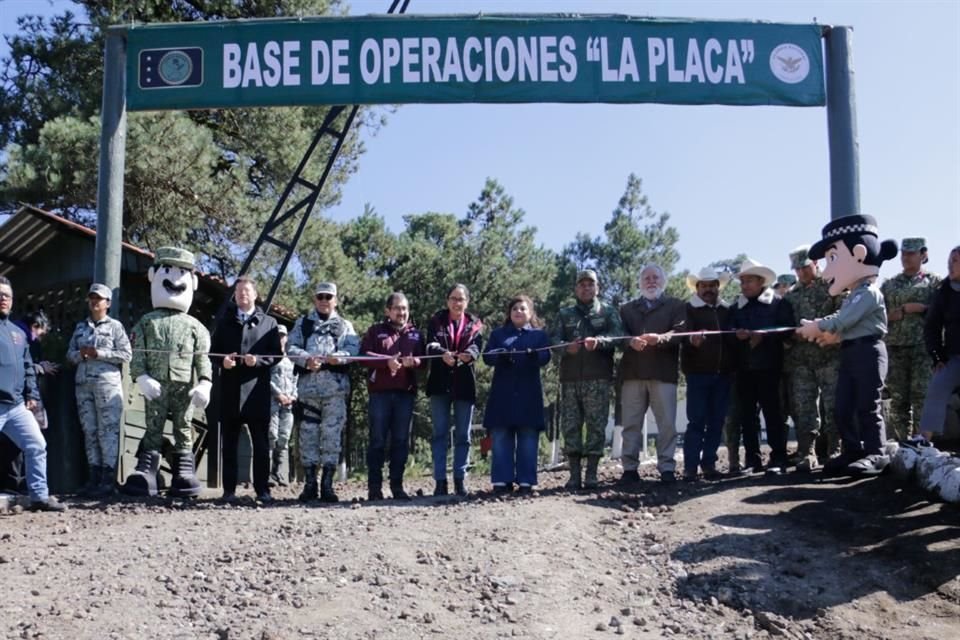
(586, 377)
(813, 368)
(184, 343)
(909, 371)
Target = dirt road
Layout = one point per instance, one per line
(744, 558)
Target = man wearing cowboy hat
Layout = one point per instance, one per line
(813, 369)
(707, 364)
(907, 296)
(760, 362)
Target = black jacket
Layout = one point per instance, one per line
(459, 381)
(942, 330)
(767, 311)
(245, 391)
(716, 354)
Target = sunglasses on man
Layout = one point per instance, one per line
(325, 296)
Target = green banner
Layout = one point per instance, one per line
(487, 58)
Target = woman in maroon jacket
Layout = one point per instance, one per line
(456, 335)
(392, 384)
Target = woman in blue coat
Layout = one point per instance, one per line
(514, 415)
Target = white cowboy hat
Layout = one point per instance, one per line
(751, 267)
(706, 274)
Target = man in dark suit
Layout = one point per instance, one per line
(252, 340)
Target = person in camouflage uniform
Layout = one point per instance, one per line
(283, 387)
(318, 342)
(586, 375)
(907, 297)
(813, 369)
(98, 347)
(170, 352)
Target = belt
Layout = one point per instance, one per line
(861, 340)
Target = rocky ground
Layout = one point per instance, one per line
(792, 557)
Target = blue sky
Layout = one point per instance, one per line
(734, 179)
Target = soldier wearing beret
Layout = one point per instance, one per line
(907, 296)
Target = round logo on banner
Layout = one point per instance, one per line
(175, 67)
(790, 63)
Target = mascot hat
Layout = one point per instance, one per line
(854, 230)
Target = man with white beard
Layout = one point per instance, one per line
(649, 373)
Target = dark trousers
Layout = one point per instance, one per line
(260, 439)
(12, 475)
(708, 395)
(863, 367)
(390, 416)
(761, 388)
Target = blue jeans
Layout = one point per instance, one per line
(390, 414)
(708, 395)
(514, 452)
(440, 406)
(18, 424)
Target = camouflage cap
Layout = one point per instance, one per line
(787, 278)
(327, 287)
(800, 257)
(587, 274)
(913, 244)
(100, 290)
(175, 257)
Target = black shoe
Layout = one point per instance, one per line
(397, 493)
(502, 489)
(229, 497)
(50, 504)
(711, 473)
(374, 494)
(441, 489)
(265, 498)
(460, 487)
(668, 477)
(310, 489)
(524, 490)
(630, 477)
(327, 493)
(838, 466)
(690, 477)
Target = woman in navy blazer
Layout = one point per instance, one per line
(514, 414)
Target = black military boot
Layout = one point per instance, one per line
(574, 482)
(108, 484)
(590, 480)
(326, 484)
(184, 483)
(374, 490)
(397, 492)
(309, 484)
(93, 481)
(442, 488)
(143, 480)
(460, 486)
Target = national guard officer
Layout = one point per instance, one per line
(318, 343)
(907, 297)
(283, 388)
(99, 347)
(813, 370)
(586, 375)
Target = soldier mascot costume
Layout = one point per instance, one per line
(172, 368)
(853, 255)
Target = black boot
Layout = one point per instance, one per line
(93, 481)
(108, 484)
(460, 487)
(184, 483)
(374, 490)
(442, 489)
(309, 484)
(575, 482)
(590, 480)
(326, 485)
(143, 480)
(397, 492)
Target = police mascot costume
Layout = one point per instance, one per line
(853, 256)
(172, 369)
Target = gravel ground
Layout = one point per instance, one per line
(792, 557)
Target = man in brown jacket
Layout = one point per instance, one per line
(649, 373)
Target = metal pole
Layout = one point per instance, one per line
(113, 142)
(842, 124)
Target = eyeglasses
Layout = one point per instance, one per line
(325, 296)
(452, 299)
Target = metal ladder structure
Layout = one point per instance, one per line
(293, 209)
